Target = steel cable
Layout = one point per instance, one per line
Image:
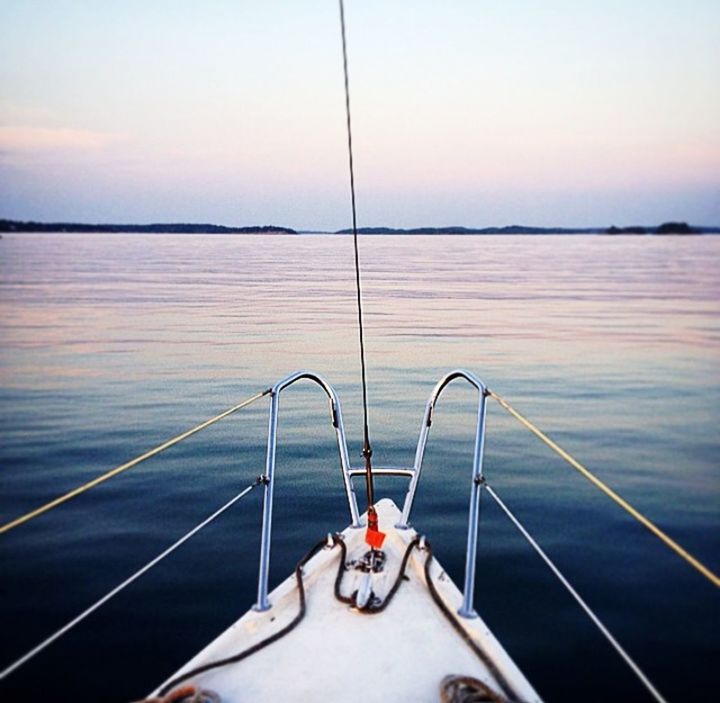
(88, 611)
(598, 623)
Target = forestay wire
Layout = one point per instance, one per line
(366, 450)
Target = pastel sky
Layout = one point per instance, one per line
(465, 112)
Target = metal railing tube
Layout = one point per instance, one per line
(405, 471)
(268, 494)
(417, 466)
(466, 610)
(345, 461)
(269, 477)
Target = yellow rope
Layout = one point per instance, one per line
(127, 465)
(669, 542)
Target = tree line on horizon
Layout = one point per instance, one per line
(169, 228)
(7, 225)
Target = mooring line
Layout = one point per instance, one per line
(609, 492)
(127, 465)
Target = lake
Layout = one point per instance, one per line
(113, 343)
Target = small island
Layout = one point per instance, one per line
(676, 228)
(665, 228)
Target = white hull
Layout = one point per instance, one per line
(339, 654)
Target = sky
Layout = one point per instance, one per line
(465, 112)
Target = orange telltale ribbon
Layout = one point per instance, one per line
(373, 536)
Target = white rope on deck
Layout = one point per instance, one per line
(65, 628)
(608, 635)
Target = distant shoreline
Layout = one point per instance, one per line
(667, 228)
(664, 228)
(159, 228)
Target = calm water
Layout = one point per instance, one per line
(112, 343)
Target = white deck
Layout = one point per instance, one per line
(338, 654)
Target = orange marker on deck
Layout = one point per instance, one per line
(373, 536)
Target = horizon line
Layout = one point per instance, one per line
(13, 225)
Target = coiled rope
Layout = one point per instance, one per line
(467, 689)
(128, 464)
(88, 611)
(586, 473)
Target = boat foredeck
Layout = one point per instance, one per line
(339, 654)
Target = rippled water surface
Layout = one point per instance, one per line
(112, 343)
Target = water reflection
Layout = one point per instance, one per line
(111, 343)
